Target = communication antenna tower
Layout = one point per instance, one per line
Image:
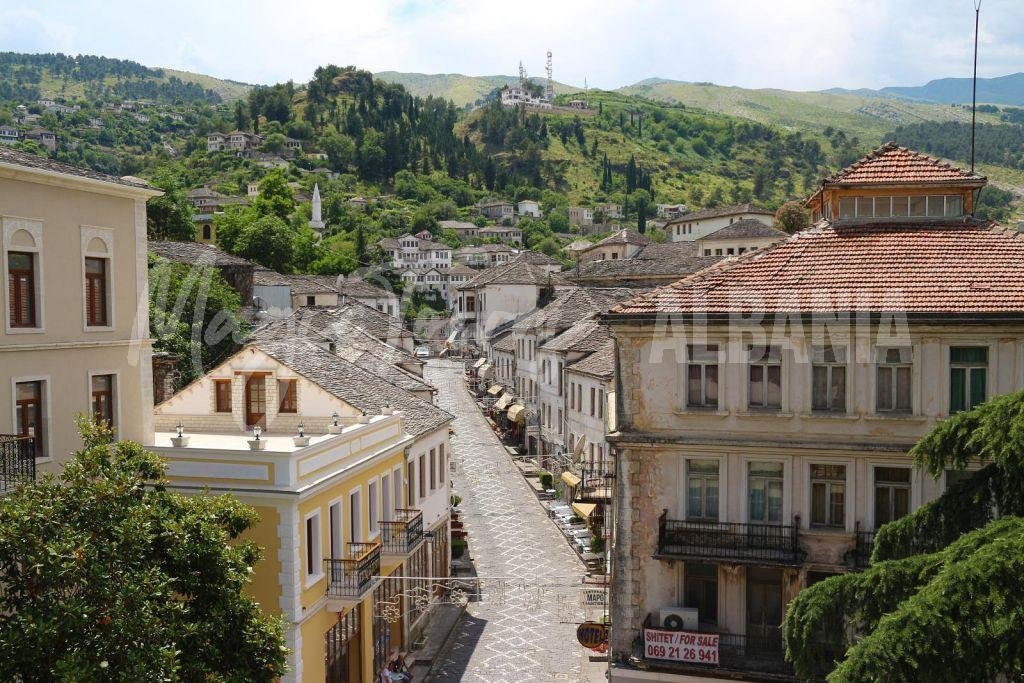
(549, 89)
(522, 75)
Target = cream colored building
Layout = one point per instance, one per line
(75, 331)
(767, 405)
(353, 518)
(697, 224)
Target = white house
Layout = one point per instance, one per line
(691, 226)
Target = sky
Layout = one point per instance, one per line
(792, 44)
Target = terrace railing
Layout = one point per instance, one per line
(352, 576)
(402, 534)
(730, 541)
(17, 461)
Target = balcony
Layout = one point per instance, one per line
(729, 542)
(352, 577)
(596, 480)
(17, 461)
(400, 536)
(859, 556)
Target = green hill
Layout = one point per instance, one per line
(462, 90)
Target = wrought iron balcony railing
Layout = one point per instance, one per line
(17, 461)
(859, 556)
(401, 535)
(350, 577)
(730, 542)
(596, 480)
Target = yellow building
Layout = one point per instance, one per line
(349, 475)
(74, 336)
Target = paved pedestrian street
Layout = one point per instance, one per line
(523, 628)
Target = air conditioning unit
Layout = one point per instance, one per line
(678, 618)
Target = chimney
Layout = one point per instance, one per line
(165, 372)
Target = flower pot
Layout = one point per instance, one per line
(257, 444)
(334, 429)
(301, 440)
(179, 441)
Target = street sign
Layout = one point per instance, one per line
(592, 635)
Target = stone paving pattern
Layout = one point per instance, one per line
(530, 633)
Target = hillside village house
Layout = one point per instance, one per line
(501, 294)
(504, 233)
(75, 333)
(610, 210)
(754, 457)
(47, 139)
(581, 215)
(236, 271)
(9, 134)
(528, 207)
(418, 253)
(740, 237)
(238, 141)
(670, 210)
(496, 209)
(347, 512)
(484, 256)
(691, 226)
(658, 263)
(208, 202)
(622, 244)
(464, 229)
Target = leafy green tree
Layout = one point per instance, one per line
(267, 241)
(229, 224)
(791, 217)
(242, 118)
(110, 576)
(306, 249)
(194, 314)
(274, 142)
(340, 150)
(942, 599)
(275, 197)
(170, 216)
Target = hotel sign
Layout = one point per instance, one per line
(681, 646)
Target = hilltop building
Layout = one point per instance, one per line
(697, 224)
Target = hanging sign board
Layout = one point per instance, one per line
(681, 646)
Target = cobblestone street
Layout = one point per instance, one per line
(528, 631)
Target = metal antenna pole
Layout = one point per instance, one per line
(974, 81)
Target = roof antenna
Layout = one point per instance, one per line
(974, 81)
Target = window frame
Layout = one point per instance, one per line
(217, 405)
(313, 531)
(694, 361)
(288, 401)
(704, 478)
(749, 477)
(764, 362)
(15, 314)
(373, 516)
(882, 362)
(34, 230)
(45, 411)
(891, 486)
(115, 404)
(968, 367)
(96, 319)
(105, 235)
(830, 366)
(828, 482)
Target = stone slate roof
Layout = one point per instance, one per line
(356, 287)
(569, 306)
(194, 253)
(746, 228)
(457, 225)
(351, 383)
(503, 342)
(298, 284)
(459, 269)
(16, 158)
(586, 336)
(624, 236)
(421, 244)
(484, 249)
(322, 324)
(720, 211)
(518, 271)
(926, 270)
(600, 364)
(382, 368)
(656, 260)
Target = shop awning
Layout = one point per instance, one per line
(577, 452)
(571, 479)
(484, 371)
(517, 413)
(495, 389)
(584, 510)
(479, 362)
(504, 402)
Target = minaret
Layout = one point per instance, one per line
(316, 222)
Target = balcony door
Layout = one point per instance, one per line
(764, 609)
(256, 401)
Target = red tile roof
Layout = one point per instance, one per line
(930, 269)
(891, 164)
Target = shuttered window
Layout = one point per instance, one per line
(96, 292)
(21, 288)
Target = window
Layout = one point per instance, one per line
(936, 206)
(828, 496)
(21, 289)
(30, 414)
(572, 395)
(828, 379)
(559, 420)
(593, 401)
(103, 399)
(918, 206)
(433, 469)
(410, 484)
(311, 299)
(207, 232)
(893, 380)
(702, 376)
(355, 517)
(764, 492)
(600, 403)
(222, 395)
(765, 377)
(423, 476)
(954, 477)
(442, 478)
(700, 591)
(892, 494)
(96, 304)
(335, 530)
(313, 552)
(702, 489)
(968, 376)
(287, 390)
(374, 508)
(396, 483)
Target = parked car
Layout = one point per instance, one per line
(422, 352)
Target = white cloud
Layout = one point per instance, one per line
(797, 44)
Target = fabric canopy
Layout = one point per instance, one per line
(584, 510)
(503, 402)
(485, 371)
(479, 362)
(495, 389)
(516, 413)
(571, 479)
